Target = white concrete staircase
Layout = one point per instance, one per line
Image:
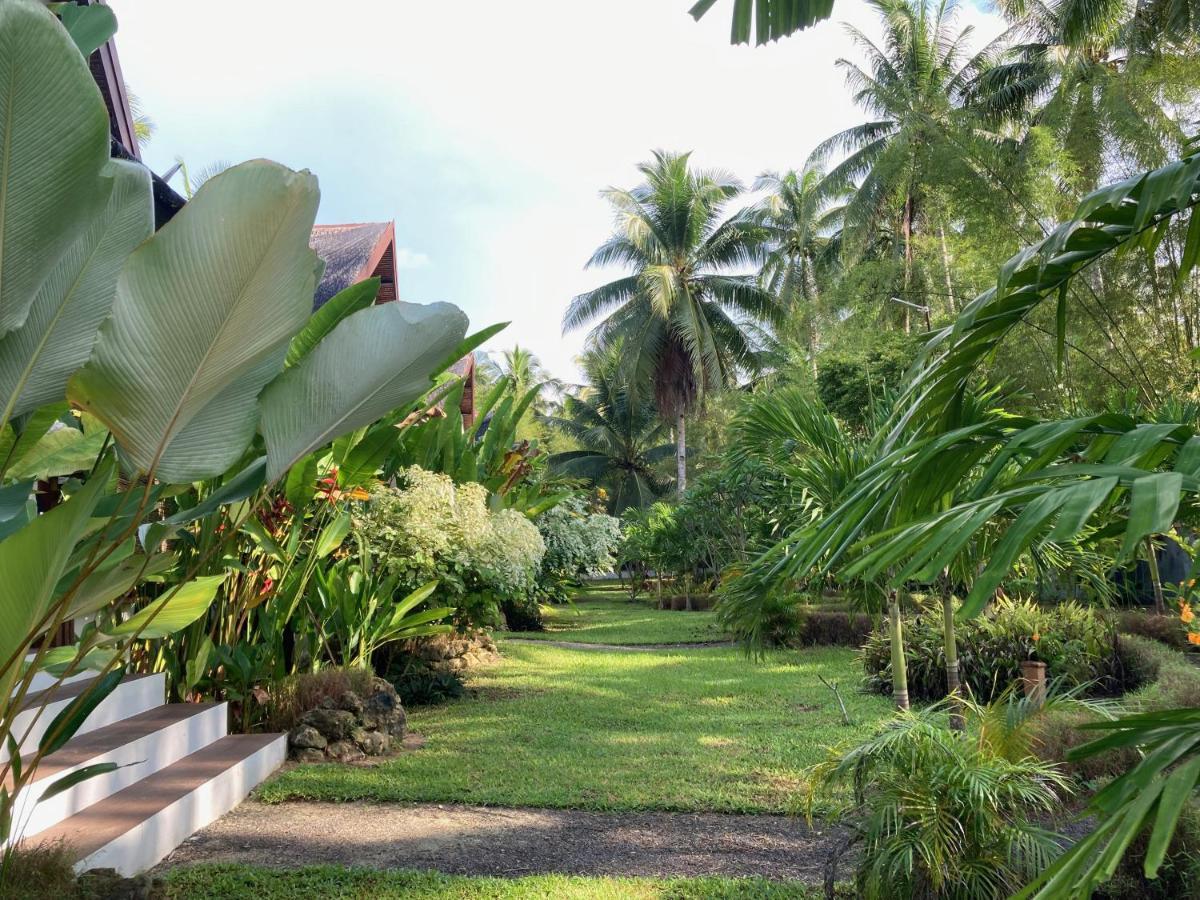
(179, 770)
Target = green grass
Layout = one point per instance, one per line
(698, 729)
(593, 621)
(227, 882)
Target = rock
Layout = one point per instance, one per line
(344, 751)
(375, 743)
(333, 724)
(350, 702)
(305, 737)
(309, 755)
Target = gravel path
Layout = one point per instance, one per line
(475, 840)
(620, 648)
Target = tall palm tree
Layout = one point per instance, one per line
(526, 372)
(804, 227)
(622, 439)
(1089, 73)
(915, 88)
(681, 309)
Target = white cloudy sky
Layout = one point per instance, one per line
(484, 129)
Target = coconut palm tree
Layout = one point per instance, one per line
(680, 311)
(914, 87)
(525, 372)
(621, 439)
(803, 223)
(1092, 74)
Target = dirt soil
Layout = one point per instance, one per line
(475, 840)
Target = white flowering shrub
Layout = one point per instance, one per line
(428, 528)
(579, 542)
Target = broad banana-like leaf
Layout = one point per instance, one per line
(62, 451)
(203, 316)
(32, 560)
(89, 26)
(106, 585)
(177, 610)
(376, 360)
(37, 359)
(53, 146)
(769, 20)
(238, 488)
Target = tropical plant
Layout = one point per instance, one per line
(770, 20)
(681, 310)
(803, 226)
(620, 435)
(1077, 644)
(580, 542)
(1097, 76)
(914, 88)
(939, 814)
(525, 372)
(172, 347)
(357, 612)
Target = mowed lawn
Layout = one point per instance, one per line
(613, 620)
(694, 729)
(336, 883)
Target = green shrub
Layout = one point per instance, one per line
(422, 686)
(1078, 645)
(429, 529)
(1147, 624)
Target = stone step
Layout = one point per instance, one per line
(138, 826)
(141, 745)
(134, 695)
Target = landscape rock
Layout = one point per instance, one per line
(350, 727)
(455, 652)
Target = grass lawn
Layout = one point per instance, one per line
(335, 883)
(696, 729)
(617, 621)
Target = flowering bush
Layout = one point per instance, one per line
(579, 542)
(429, 528)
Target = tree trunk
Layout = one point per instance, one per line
(814, 337)
(1160, 605)
(906, 228)
(899, 667)
(946, 269)
(680, 455)
(953, 685)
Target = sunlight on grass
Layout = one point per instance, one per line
(617, 621)
(699, 729)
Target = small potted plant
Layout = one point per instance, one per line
(1033, 673)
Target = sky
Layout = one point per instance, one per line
(486, 130)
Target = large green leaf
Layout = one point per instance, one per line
(89, 26)
(324, 320)
(53, 145)
(32, 560)
(769, 20)
(62, 451)
(376, 360)
(37, 359)
(177, 610)
(203, 315)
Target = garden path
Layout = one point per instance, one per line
(479, 840)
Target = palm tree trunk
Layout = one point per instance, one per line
(899, 667)
(814, 337)
(906, 227)
(946, 270)
(953, 685)
(680, 454)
